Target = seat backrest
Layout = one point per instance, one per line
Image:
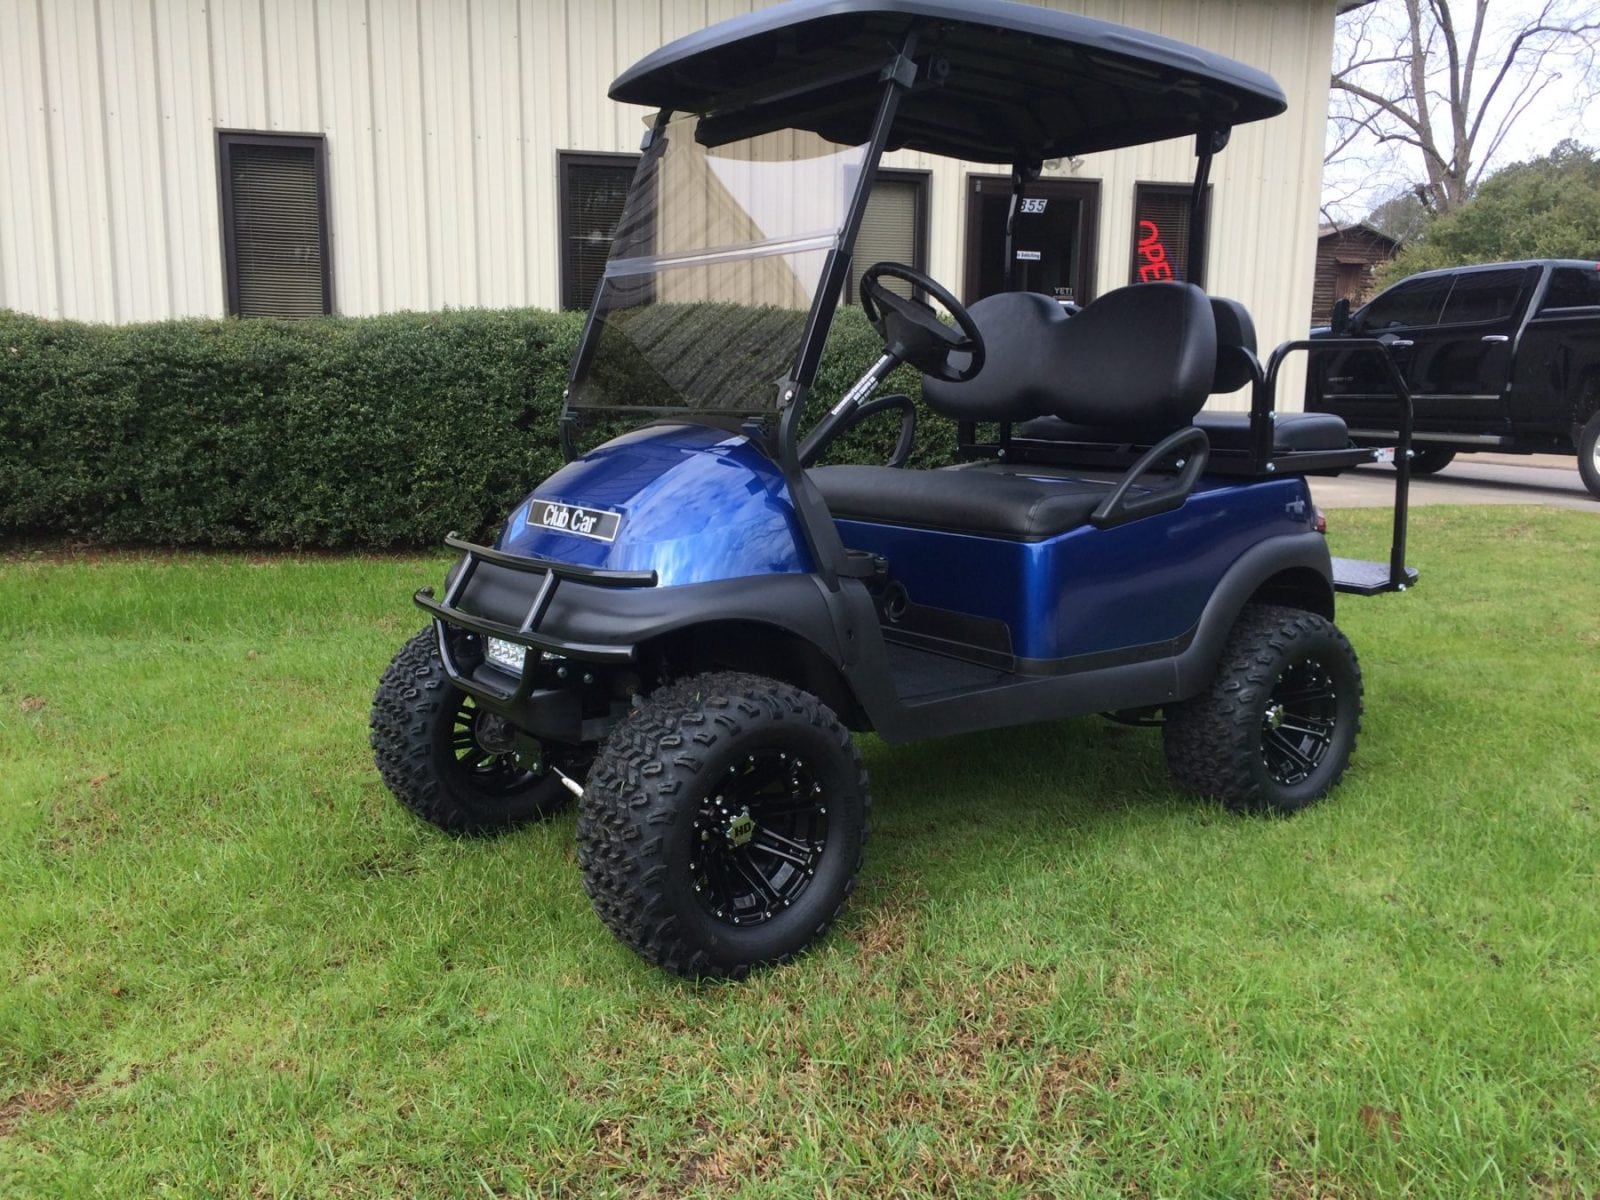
(1236, 346)
(1140, 357)
(1018, 328)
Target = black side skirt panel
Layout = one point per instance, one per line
(1164, 679)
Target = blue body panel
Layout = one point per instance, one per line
(700, 504)
(697, 504)
(1091, 590)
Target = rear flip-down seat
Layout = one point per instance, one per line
(1236, 368)
(1291, 432)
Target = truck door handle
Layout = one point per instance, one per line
(1495, 338)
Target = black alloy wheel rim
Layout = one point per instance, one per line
(758, 838)
(489, 773)
(1298, 726)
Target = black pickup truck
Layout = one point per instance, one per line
(1502, 357)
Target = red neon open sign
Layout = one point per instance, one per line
(1154, 265)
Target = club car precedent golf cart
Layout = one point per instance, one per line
(682, 625)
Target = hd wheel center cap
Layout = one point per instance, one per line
(741, 829)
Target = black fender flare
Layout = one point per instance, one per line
(1250, 573)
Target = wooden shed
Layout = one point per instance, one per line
(1347, 257)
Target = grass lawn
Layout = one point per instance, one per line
(232, 966)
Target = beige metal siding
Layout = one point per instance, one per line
(443, 120)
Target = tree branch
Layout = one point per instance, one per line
(1371, 97)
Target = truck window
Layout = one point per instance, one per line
(1408, 303)
(1484, 296)
(1572, 287)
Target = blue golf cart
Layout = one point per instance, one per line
(683, 626)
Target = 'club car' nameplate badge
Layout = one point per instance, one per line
(597, 523)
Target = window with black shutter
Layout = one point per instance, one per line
(275, 225)
(1161, 233)
(594, 188)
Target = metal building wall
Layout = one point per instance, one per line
(443, 120)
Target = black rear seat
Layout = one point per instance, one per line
(1236, 366)
(1226, 431)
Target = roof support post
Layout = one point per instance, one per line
(898, 76)
(816, 523)
(1206, 146)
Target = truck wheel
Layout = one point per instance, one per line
(1589, 455)
(1276, 728)
(1430, 460)
(722, 825)
(428, 739)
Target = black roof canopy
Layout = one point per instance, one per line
(1024, 83)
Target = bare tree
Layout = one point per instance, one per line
(1445, 82)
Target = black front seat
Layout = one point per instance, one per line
(961, 499)
(1143, 355)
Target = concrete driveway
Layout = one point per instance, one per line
(1470, 479)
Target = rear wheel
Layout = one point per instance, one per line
(453, 764)
(1589, 455)
(1430, 460)
(1275, 730)
(723, 824)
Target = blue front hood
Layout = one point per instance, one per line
(695, 504)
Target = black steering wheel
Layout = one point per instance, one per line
(912, 331)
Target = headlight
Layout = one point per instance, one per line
(506, 654)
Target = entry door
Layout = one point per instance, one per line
(1054, 247)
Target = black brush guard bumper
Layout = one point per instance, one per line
(452, 622)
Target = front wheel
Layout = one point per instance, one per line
(450, 762)
(723, 824)
(1275, 730)
(1589, 455)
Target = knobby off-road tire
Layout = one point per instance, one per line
(723, 824)
(1430, 460)
(1275, 730)
(423, 742)
(1589, 455)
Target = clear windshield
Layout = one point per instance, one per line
(712, 271)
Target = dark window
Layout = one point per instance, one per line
(275, 225)
(1484, 296)
(1411, 303)
(893, 229)
(1573, 287)
(594, 189)
(1161, 232)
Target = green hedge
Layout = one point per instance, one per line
(343, 432)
